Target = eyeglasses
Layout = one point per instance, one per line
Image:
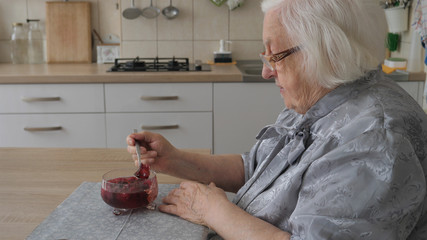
(270, 60)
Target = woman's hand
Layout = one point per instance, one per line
(194, 201)
(156, 151)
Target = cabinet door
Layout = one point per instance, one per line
(240, 111)
(422, 95)
(183, 130)
(52, 130)
(159, 97)
(412, 88)
(51, 98)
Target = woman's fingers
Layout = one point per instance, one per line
(171, 209)
(146, 157)
(144, 152)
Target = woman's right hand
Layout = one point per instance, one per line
(156, 151)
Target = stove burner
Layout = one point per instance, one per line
(154, 65)
(173, 65)
(135, 65)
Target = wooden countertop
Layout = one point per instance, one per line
(97, 73)
(34, 181)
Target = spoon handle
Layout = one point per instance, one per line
(138, 150)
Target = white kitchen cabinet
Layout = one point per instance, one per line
(415, 89)
(241, 110)
(51, 98)
(224, 117)
(52, 130)
(158, 97)
(181, 112)
(183, 129)
(52, 115)
(421, 97)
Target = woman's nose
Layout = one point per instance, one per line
(267, 73)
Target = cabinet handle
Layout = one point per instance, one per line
(40, 99)
(158, 127)
(156, 98)
(42, 129)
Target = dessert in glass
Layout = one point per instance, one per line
(124, 191)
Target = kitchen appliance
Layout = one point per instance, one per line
(157, 65)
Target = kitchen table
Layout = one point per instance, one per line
(34, 181)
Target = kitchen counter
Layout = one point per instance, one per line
(97, 73)
(34, 181)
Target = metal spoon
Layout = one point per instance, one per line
(138, 152)
(150, 12)
(143, 170)
(132, 12)
(170, 12)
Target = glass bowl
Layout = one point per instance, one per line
(123, 191)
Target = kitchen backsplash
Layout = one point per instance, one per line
(195, 33)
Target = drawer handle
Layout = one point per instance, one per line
(156, 98)
(40, 99)
(42, 129)
(158, 127)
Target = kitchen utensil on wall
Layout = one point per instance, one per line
(68, 32)
(151, 11)
(132, 12)
(170, 12)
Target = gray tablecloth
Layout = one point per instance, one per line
(84, 215)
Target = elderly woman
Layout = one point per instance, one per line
(346, 158)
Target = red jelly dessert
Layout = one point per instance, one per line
(129, 192)
(143, 172)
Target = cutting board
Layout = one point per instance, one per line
(68, 32)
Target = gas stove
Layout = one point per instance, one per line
(157, 65)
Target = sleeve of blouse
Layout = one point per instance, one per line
(372, 187)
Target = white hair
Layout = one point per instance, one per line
(341, 39)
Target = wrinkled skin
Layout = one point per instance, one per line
(193, 201)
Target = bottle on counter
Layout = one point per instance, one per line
(19, 44)
(35, 42)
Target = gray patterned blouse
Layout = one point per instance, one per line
(353, 167)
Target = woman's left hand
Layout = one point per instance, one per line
(194, 201)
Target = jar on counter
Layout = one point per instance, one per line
(35, 42)
(19, 44)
